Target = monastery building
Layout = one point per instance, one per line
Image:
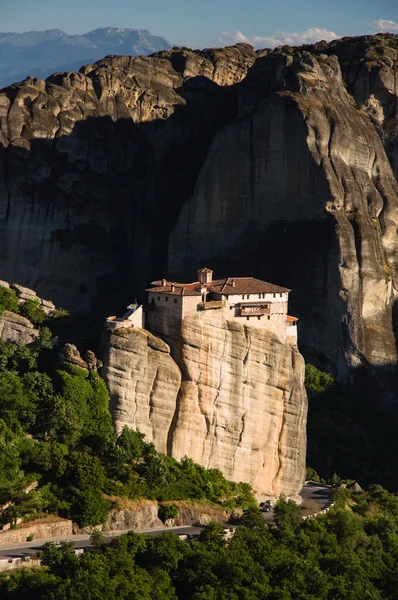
(245, 300)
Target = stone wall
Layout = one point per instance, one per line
(40, 529)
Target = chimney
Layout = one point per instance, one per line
(163, 283)
(172, 287)
(233, 282)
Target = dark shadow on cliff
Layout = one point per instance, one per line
(350, 435)
(107, 197)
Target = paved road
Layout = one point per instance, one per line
(311, 491)
(82, 541)
(319, 493)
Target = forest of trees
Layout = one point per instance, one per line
(350, 553)
(56, 428)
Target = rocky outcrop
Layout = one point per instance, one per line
(242, 405)
(15, 328)
(70, 354)
(143, 382)
(25, 294)
(256, 163)
(237, 401)
(299, 187)
(370, 70)
(143, 514)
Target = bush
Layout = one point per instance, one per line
(8, 300)
(32, 310)
(167, 511)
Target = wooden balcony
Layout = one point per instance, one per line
(253, 310)
(212, 304)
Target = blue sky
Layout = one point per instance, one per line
(201, 23)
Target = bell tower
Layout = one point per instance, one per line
(205, 276)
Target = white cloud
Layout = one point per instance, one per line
(384, 25)
(280, 38)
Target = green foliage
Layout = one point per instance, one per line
(312, 475)
(32, 310)
(347, 554)
(8, 300)
(73, 450)
(167, 511)
(347, 433)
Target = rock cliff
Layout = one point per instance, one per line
(299, 187)
(95, 166)
(236, 400)
(143, 382)
(15, 328)
(271, 164)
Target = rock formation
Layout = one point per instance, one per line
(299, 188)
(143, 382)
(236, 402)
(15, 328)
(259, 162)
(91, 160)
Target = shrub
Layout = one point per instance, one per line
(30, 538)
(32, 310)
(8, 300)
(167, 511)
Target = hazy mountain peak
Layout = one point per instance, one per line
(41, 53)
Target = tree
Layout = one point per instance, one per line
(83, 481)
(131, 443)
(16, 409)
(32, 310)
(8, 300)
(167, 511)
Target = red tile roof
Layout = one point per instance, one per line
(180, 289)
(205, 270)
(227, 287)
(290, 319)
(245, 285)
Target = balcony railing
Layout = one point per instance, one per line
(212, 304)
(247, 311)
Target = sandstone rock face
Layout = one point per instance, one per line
(254, 163)
(143, 382)
(15, 328)
(370, 69)
(237, 401)
(242, 405)
(299, 187)
(91, 160)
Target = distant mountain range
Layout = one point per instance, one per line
(41, 53)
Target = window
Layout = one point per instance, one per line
(243, 296)
(258, 318)
(166, 298)
(231, 307)
(247, 296)
(269, 317)
(247, 318)
(274, 295)
(175, 300)
(259, 295)
(158, 297)
(280, 295)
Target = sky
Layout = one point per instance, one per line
(204, 23)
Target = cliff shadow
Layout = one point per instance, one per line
(85, 218)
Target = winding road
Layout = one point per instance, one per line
(311, 491)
